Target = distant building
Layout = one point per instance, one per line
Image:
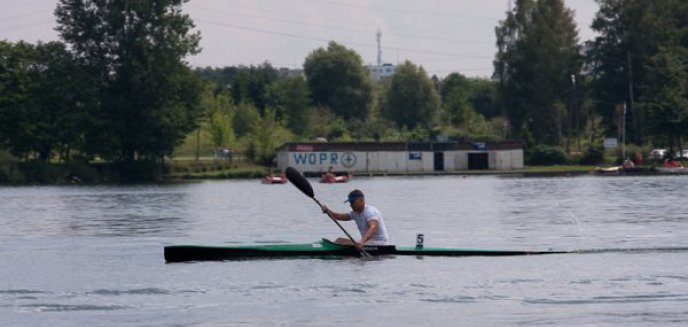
(379, 72)
(287, 72)
(400, 157)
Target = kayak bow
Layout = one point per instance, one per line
(323, 248)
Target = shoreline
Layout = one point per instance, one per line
(182, 171)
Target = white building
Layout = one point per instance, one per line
(399, 157)
(378, 72)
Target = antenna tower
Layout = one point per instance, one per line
(379, 47)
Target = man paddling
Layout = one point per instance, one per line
(367, 218)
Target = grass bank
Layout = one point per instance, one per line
(212, 169)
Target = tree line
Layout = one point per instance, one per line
(116, 87)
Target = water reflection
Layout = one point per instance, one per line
(96, 211)
(127, 214)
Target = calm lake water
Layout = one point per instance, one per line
(93, 255)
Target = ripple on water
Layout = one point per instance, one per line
(23, 292)
(141, 291)
(54, 307)
(451, 299)
(642, 298)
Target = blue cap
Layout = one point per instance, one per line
(355, 194)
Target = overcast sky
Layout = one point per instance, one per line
(443, 36)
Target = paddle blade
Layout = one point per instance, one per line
(299, 181)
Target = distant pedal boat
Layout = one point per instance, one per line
(274, 179)
(671, 170)
(336, 179)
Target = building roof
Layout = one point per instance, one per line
(400, 146)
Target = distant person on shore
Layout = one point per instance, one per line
(367, 218)
(227, 153)
(628, 163)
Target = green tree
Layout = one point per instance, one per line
(245, 116)
(64, 99)
(220, 119)
(454, 92)
(337, 79)
(666, 103)
(15, 61)
(267, 134)
(45, 102)
(631, 32)
(412, 100)
(482, 94)
(537, 53)
(252, 84)
(290, 98)
(148, 97)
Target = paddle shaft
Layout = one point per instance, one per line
(329, 214)
(304, 186)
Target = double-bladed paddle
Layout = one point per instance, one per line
(302, 184)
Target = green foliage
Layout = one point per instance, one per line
(666, 103)
(456, 107)
(251, 84)
(412, 100)
(544, 155)
(245, 117)
(220, 119)
(148, 97)
(267, 134)
(290, 98)
(322, 121)
(8, 168)
(537, 53)
(248, 84)
(477, 128)
(482, 94)
(45, 100)
(594, 155)
(629, 59)
(337, 79)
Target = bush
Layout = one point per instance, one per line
(39, 172)
(8, 168)
(543, 155)
(593, 156)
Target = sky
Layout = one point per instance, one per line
(443, 36)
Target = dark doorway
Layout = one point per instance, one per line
(478, 161)
(439, 161)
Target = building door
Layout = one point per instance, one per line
(439, 161)
(478, 161)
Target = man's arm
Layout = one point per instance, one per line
(336, 215)
(373, 225)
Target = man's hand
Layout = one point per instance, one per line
(359, 244)
(324, 208)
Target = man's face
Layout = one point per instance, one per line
(358, 205)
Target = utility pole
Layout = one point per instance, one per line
(623, 133)
(630, 97)
(576, 112)
(198, 143)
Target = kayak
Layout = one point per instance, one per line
(320, 249)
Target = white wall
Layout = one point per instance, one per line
(392, 161)
(428, 161)
(389, 162)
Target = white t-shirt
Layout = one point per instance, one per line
(361, 219)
